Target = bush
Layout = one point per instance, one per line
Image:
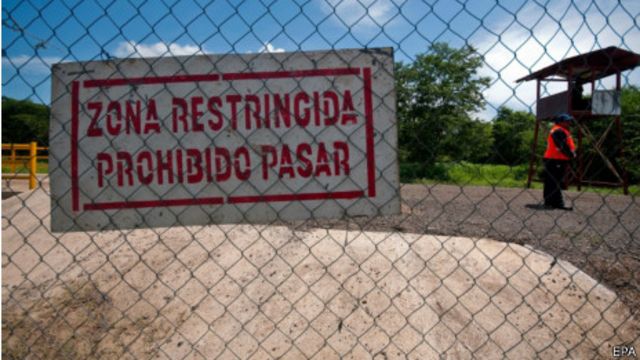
(412, 172)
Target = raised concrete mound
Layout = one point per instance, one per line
(271, 291)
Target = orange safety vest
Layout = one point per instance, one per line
(553, 151)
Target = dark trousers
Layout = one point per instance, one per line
(554, 171)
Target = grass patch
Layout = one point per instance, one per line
(464, 174)
(42, 166)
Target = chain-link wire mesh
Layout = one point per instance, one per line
(456, 259)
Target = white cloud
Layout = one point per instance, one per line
(361, 13)
(132, 49)
(269, 48)
(30, 63)
(552, 38)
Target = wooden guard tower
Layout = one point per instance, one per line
(604, 105)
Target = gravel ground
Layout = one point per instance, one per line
(601, 236)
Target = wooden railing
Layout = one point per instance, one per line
(31, 161)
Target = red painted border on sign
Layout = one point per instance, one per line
(153, 203)
(368, 105)
(151, 80)
(369, 133)
(289, 74)
(293, 197)
(75, 123)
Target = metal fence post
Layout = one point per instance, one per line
(33, 162)
(12, 162)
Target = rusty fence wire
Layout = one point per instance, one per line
(452, 257)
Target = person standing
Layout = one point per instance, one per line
(560, 151)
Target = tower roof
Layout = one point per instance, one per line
(603, 62)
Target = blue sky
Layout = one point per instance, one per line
(515, 36)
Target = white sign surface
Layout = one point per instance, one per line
(223, 139)
(606, 102)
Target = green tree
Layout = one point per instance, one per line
(512, 136)
(468, 140)
(630, 104)
(437, 96)
(24, 121)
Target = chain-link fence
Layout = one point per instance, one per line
(226, 179)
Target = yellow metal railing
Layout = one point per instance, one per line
(31, 160)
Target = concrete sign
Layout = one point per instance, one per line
(223, 139)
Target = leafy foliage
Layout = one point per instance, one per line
(512, 136)
(437, 96)
(630, 103)
(24, 121)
